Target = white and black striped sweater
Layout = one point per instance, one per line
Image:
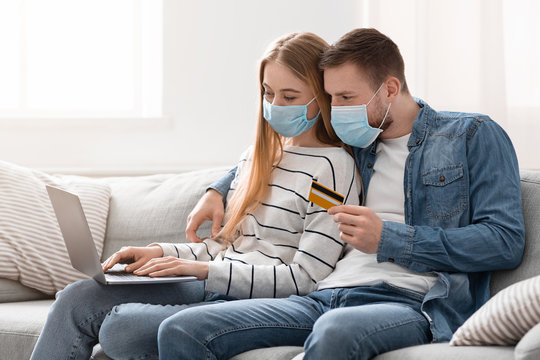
(288, 244)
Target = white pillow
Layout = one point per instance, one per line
(505, 318)
(31, 244)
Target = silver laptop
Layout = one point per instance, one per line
(81, 248)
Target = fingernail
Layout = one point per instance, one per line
(127, 268)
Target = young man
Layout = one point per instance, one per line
(442, 210)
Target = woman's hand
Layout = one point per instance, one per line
(209, 208)
(135, 256)
(171, 266)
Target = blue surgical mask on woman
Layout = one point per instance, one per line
(351, 124)
(288, 121)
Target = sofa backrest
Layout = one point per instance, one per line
(154, 208)
(530, 264)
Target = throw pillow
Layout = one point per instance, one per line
(505, 318)
(31, 244)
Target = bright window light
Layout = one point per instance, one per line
(80, 58)
(522, 54)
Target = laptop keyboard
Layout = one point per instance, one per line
(117, 272)
(125, 276)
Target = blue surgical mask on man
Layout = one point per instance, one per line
(351, 123)
(288, 121)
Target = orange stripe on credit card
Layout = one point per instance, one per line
(323, 196)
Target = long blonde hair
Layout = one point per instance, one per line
(300, 53)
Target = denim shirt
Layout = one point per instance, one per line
(463, 215)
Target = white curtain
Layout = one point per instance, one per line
(471, 55)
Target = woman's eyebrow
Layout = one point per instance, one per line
(281, 90)
(290, 90)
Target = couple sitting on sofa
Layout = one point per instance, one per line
(352, 281)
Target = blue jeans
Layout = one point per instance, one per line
(345, 323)
(130, 331)
(73, 323)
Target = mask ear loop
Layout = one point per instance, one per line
(312, 100)
(385, 115)
(387, 110)
(376, 92)
(316, 116)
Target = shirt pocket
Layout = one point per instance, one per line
(445, 192)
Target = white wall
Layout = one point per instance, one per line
(456, 59)
(211, 53)
(453, 59)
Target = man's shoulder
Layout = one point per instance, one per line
(453, 122)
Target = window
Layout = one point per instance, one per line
(80, 59)
(522, 52)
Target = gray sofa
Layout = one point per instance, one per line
(154, 208)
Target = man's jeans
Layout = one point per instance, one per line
(73, 323)
(346, 323)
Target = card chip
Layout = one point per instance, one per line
(323, 196)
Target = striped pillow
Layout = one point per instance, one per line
(505, 318)
(31, 244)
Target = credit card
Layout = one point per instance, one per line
(323, 196)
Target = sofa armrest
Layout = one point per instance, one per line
(528, 348)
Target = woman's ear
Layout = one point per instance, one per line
(393, 87)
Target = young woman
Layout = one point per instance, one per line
(274, 243)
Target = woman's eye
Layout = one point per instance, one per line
(346, 97)
(289, 98)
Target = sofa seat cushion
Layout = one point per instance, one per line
(279, 352)
(444, 351)
(20, 326)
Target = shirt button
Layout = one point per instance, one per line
(441, 179)
(370, 165)
(391, 260)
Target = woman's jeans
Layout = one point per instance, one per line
(75, 318)
(346, 323)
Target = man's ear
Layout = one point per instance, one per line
(393, 87)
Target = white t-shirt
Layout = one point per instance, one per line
(384, 196)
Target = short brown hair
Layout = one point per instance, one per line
(372, 51)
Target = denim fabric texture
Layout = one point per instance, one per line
(373, 319)
(76, 316)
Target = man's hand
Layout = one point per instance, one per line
(359, 226)
(171, 266)
(209, 208)
(135, 256)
